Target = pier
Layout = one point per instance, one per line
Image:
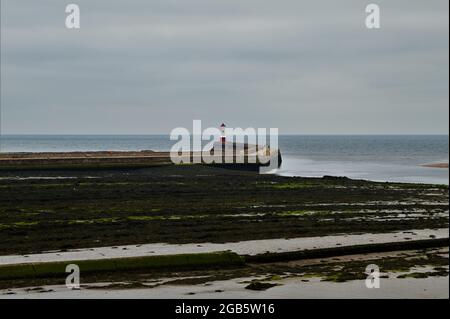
(238, 157)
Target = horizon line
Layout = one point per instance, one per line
(167, 134)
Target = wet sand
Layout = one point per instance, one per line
(254, 247)
(428, 288)
(404, 274)
(431, 288)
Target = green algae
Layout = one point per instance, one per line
(185, 204)
(55, 269)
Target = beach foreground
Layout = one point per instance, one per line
(286, 230)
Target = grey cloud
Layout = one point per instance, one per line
(148, 66)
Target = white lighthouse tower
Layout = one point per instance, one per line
(222, 133)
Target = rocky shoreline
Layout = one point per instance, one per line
(63, 210)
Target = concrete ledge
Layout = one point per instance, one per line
(201, 260)
(347, 250)
(53, 269)
(111, 160)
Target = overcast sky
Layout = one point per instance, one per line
(147, 66)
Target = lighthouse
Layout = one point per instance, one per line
(222, 133)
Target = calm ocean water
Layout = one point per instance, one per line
(374, 157)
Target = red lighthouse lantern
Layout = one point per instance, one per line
(222, 133)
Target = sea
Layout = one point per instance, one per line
(392, 158)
